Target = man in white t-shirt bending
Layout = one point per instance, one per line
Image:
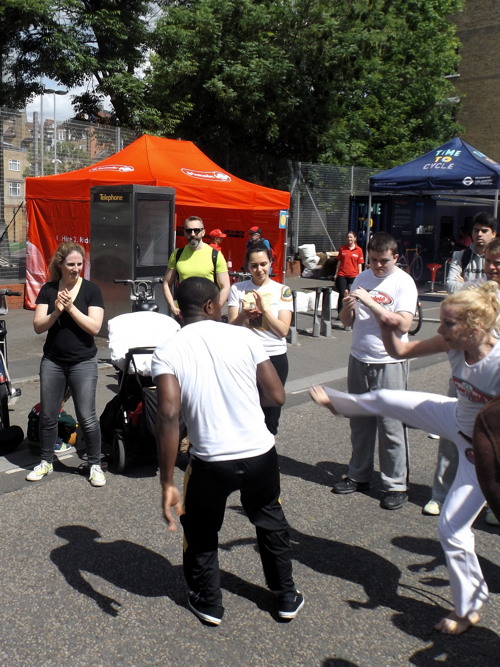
(220, 376)
(386, 292)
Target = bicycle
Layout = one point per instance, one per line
(413, 265)
(418, 318)
(10, 436)
(142, 293)
(402, 263)
(239, 276)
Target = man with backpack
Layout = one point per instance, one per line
(195, 259)
(468, 264)
(255, 239)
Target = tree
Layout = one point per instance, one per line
(75, 41)
(17, 19)
(345, 81)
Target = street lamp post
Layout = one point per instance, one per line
(51, 91)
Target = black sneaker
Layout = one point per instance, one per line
(393, 500)
(210, 613)
(348, 485)
(290, 604)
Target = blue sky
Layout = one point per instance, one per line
(64, 109)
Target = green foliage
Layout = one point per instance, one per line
(346, 81)
(74, 41)
(343, 81)
(19, 71)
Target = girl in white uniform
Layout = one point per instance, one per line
(469, 320)
(265, 307)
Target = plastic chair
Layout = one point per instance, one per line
(433, 268)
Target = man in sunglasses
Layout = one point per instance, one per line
(195, 259)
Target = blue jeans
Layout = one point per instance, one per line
(81, 378)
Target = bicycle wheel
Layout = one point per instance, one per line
(417, 320)
(417, 268)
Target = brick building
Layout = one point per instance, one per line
(478, 83)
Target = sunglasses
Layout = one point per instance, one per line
(196, 230)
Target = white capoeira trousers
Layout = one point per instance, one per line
(437, 414)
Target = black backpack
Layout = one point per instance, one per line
(466, 257)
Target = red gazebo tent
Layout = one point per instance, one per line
(58, 207)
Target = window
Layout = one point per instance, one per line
(15, 189)
(14, 165)
(61, 135)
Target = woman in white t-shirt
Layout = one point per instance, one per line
(265, 307)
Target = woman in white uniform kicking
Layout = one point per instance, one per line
(469, 321)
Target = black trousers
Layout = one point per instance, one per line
(272, 415)
(343, 283)
(207, 487)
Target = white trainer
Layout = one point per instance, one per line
(97, 477)
(39, 471)
(432, 508)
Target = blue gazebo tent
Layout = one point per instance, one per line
(455, 171)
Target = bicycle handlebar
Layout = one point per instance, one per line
(138, 281)
(141, 289)
(9, 292)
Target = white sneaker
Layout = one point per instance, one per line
(40, 471)
(97, 477)
(432, 508)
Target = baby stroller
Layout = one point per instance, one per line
(128, 420)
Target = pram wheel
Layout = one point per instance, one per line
(4, 406)
(119, 454)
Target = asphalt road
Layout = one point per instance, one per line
(91, 577)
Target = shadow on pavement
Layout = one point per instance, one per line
(124, 564)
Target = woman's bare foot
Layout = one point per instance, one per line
(455, 625)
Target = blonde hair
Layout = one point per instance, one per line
(64, 249)
(478, 306)
(493, 247)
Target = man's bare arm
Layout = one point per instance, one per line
(224, 286)
(167, 441)
(168, 281)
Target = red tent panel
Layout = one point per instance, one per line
(58, 207)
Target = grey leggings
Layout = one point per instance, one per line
(81, 378)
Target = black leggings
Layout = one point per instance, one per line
(272, 415)
(343, 283)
